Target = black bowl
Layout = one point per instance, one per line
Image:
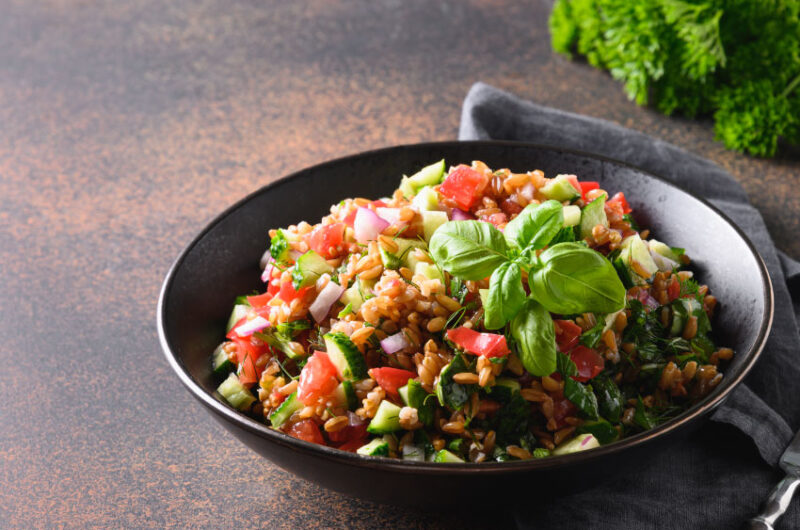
(222, 262)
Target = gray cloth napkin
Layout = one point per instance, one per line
(716, 478)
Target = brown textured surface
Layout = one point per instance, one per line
(124, 127)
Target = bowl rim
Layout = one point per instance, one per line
(703, 407)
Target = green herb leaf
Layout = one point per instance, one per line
(642, 417)
(609, 398)
(471, 250)
(591, 337)
(582, 397)
(576, 279)
(600, 429)
(279, 247)
(535, 226)
(565, 366)
(450, 393)
(535, 336)
(506, 296)
(346, 311)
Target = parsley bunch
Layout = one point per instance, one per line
(738, 60)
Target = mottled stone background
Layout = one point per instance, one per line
(126, 126)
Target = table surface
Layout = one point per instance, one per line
(125, 127)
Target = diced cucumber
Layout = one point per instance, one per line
(456, 445)
(238, 313)
(415, 453)
(235, 393)
(504, 389)
(572, 215)
(427, 176)
(345, 356)
(357, 294)
(426, 200)
(634, 249)
(582, 442)
(663, 264)
(445, 456)
(593, 214)
(404, 248)
(377, 447)
(310, 266)
(663, 249)
(289, 406)
(431, 221)
(390, 261)
(414, 395)
(351, 399)
(429, 270)
(220, 363)
(560, 189)
(450, 393)
(386, 420)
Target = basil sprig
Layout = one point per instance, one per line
(566, 278)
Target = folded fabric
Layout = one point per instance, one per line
(714, 479)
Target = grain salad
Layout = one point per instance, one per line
(475, 315)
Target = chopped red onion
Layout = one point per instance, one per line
(527, 191)
(266, 257)
(267, 274)
(461, 215)
(251, 326)
(389, 214)
(395, 343)
(325, 299)
(368, 225)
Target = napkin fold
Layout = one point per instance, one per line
(715, 479)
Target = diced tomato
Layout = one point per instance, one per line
(356, 429)
(620, 198)
(378, 204)
(562, 409)
(307, 430)
(247, 371)
(351, 218)
(232, 333)
(588, 361)
(259, 300)
(498, 219)
(464, 186)
(568, 336)
(274, 286)
(353, 445)
(391, 379)
(673, 289)
(325, 239)
(486, 344)
(572, 179)
(278, 397)
(288, 292)
(587, 186)
(317, 379)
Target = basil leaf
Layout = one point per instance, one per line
(450, 393)
(582, 397)
(506, 296)
(565, 366)
(536, 225)
(469, 249)
(535, 336)
(576, 279)
(609, 398)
